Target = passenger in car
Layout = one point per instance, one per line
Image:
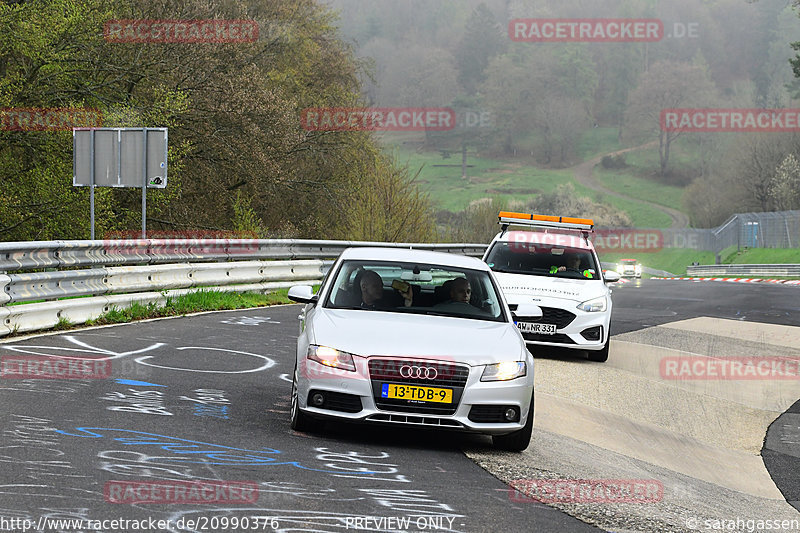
(373, 297)
(454, 290)
(460, 290)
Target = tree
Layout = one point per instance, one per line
(560, 120)
(667, 85)
(431, 82)
(233, 112)
(757, 173)
(784, 188)
(510, 91)
(483, 39)
(387, 205)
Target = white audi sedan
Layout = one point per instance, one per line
(416, 338)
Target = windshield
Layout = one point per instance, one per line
(415, 288)
(543, 260)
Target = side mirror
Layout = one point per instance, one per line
(611, 276)
(303, 294)
(527, 310)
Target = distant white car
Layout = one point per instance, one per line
(629, 268)
(393, 336)
(556, 268)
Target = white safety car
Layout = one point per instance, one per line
(629, 268)
(416, 338)
(554, 266)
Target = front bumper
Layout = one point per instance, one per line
(476, 402)
(575, 329)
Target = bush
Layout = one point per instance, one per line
(613, 161)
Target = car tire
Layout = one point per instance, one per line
(518, 440)
(600, 356)
(299, 421)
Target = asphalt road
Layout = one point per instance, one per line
(644, 303)
(207, 398)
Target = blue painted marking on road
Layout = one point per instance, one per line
(137, 383)
(217, 453)
(211, 411)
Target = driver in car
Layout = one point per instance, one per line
(574, 264)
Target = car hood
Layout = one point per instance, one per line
(369, 333)
(515, 286)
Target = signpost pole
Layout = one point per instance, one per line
(144, 183)
(91, 189)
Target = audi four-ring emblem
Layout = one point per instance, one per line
(419, 372)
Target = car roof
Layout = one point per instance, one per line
(558, 238)
(414, 256)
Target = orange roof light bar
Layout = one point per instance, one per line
(525, 219)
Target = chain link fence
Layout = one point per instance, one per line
(778, 229)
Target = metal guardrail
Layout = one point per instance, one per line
(119, 287)
(28, 287)
(744, 270)
(101, 275)
(27, 256)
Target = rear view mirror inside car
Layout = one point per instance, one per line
(423, 275)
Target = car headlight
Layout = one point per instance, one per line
(593, 306)
(504, 371)
(331, 357)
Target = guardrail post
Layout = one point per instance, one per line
(4, 329)
(5, 281)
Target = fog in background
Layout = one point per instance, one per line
(543, 97)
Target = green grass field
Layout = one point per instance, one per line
(493, 178)
(756, 256)
(641, 215)
(598, 141)
(626, 182)
(487, 178)
(519, 179)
